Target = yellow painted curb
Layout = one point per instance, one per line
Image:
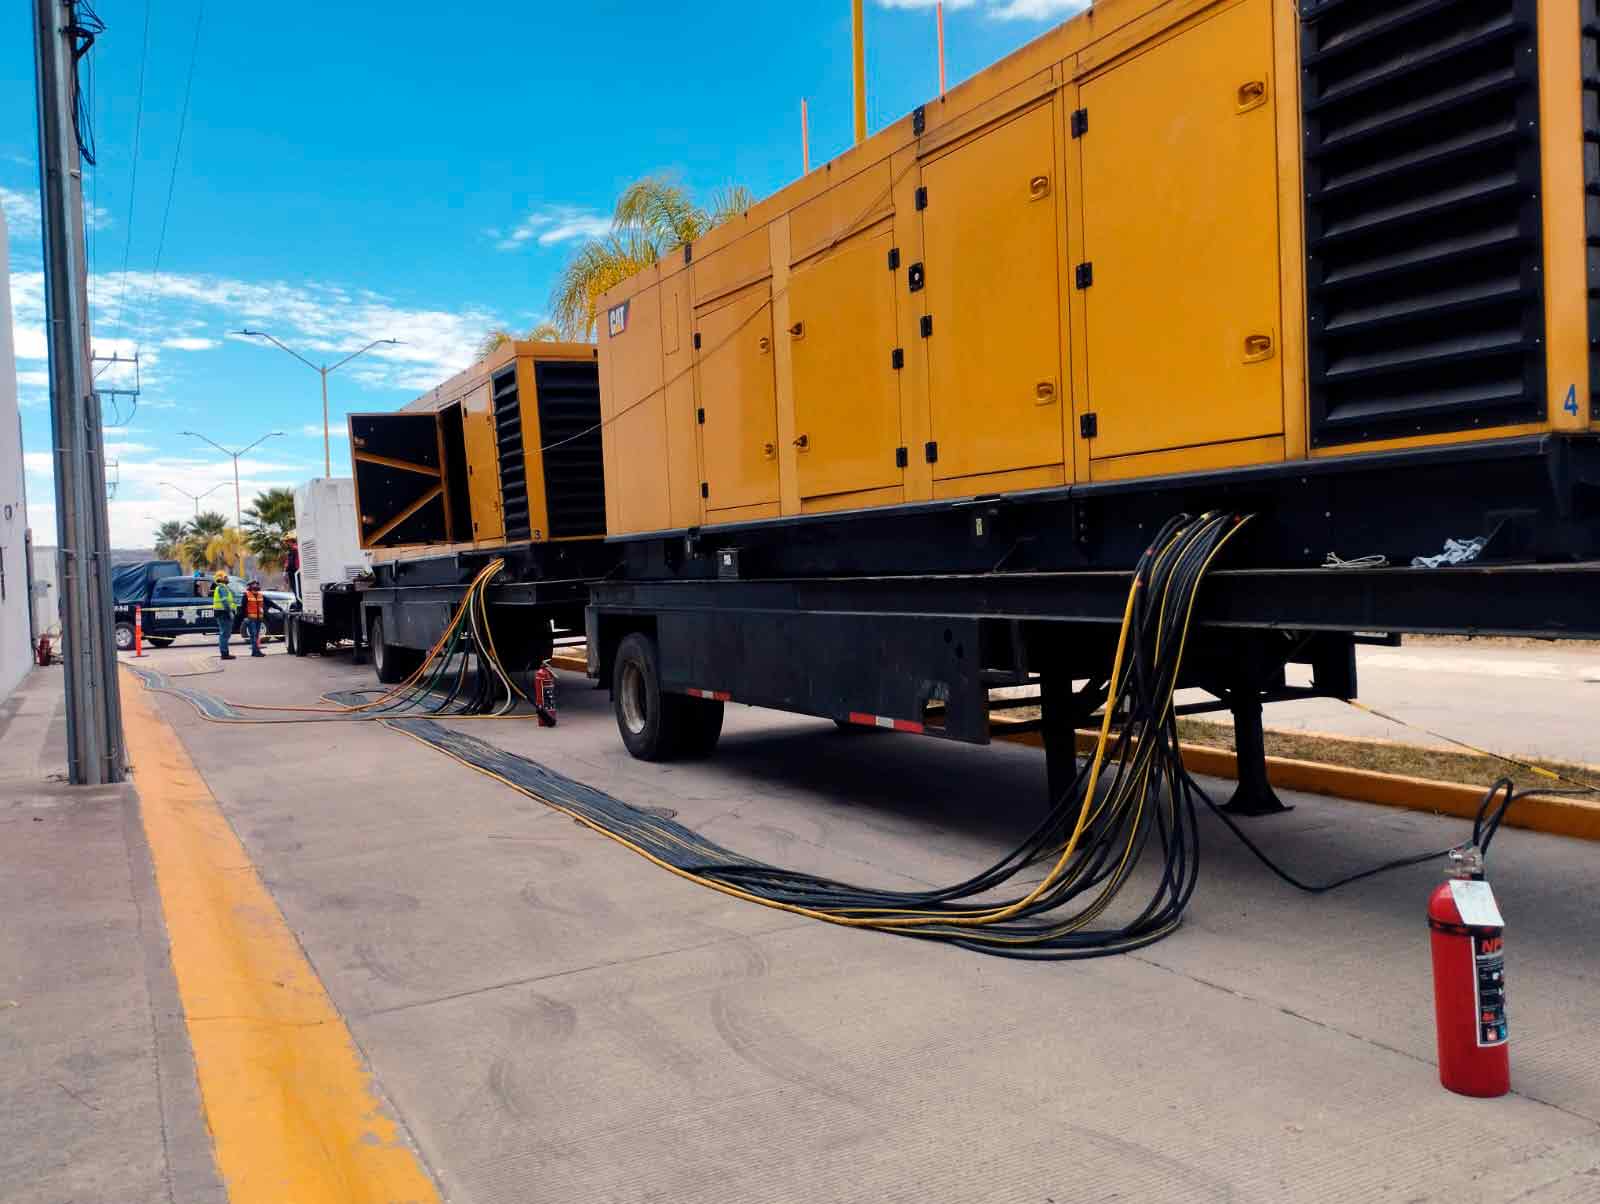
(1557, 816)
(291, 1108)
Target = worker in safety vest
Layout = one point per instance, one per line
(255, 614)
(222, 608)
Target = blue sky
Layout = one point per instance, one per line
(360, 170)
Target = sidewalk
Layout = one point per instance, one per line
(97, 1091)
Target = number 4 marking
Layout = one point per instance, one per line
(1571, 403)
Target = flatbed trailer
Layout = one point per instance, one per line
(1027, 590)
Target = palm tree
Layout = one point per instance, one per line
(169, 536)
(544, 332)
(267, 523)
(653, 216)
(226, 547)
(197, 537)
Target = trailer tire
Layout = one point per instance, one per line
(655, 726)
(702, 726)
(392, 663)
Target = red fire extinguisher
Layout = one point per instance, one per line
(1469, 980)
(42, 653)
(544, 695)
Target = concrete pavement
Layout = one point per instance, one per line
(1537, 701)
(552, 1018)
(97, 1090)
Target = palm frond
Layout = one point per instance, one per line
(729, 201)
(662, 211)
(595, 267)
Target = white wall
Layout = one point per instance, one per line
(14, 605)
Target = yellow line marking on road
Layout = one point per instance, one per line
(291, 1107)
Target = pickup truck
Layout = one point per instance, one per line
(181, 605)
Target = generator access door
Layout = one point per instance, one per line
(738, 402)
(399, 467)
(483, 464)
(846, 389)
(992, 310)
(1180, 220)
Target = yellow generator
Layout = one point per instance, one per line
(1168, 237)
(505, 453)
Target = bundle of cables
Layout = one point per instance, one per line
(443, 684)
(1131, 795)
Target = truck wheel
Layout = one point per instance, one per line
(392, 664)
(653, 725)
(702, 725)
(158, 641)
(124, 635)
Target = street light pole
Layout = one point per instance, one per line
(195, 497)
(238, 512)
(323, 371)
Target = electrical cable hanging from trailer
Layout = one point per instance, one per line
(1132, 794)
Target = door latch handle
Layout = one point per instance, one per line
(1257, 347)
(803, 442)
(765, 344)
(1038, 188)
(1251, 94)
(769, 450)
(798, 330)
(1044, 392)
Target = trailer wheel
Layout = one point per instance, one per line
(702, 726)
(654, 725)
(124, 636)
(393, 664)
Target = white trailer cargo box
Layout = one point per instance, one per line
(332, 565)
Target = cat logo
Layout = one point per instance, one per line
(617, 319)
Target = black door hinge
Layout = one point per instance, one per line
(922, 197)
(930, 451)
(901, 459)
(897, 358)
(927, 326)
(919, 119)
(688, 253)
(700, 415)
(1089, 425)
(697, 340)
(894, 259)
(915, 278)
(1080, 122)
(705, 489)
(1084, 274)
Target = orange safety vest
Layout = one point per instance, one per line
(253, 604)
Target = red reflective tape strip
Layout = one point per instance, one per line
(898, 725)
(712, 695)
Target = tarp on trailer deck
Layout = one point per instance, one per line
(128, 581)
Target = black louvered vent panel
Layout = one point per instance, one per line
(513, 465)
(569, 429)
(1424, 292)
(1591, 186)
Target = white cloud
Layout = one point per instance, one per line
(553, 224)
(1003, 10)
(21, 210)
(27, 315)
(313, 430)
(323, 322)
(188, 343)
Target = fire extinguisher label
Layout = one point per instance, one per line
(1488, 956)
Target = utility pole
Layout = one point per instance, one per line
(322, 370)
(859, 47)
(95, 753)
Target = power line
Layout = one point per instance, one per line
(177, 153)
(133, 173)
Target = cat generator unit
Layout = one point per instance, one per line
(502, 460)
(893, 437)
